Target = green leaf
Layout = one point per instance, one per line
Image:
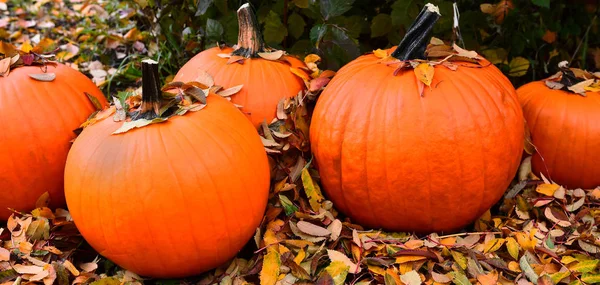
(296, 25)
(527, 269)
(301, 3)
(585, 266)
(541, 3)
(381, 25)
(341, 39)
(274, 31)
(518, 66)
(202, 6)
(404, 12)
(270, 269)
(459, 278)
(137, 124)
(214, 29)
(317, 33)
(334, 8)
(288, 206)
(558, 276)
(590, 278)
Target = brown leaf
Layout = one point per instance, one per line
(230, 91)
(46, 77)
(274, 55)
(312, 229)
(236, 59)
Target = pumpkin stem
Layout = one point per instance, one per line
(415, 41)
(151, 93)
(250, 39)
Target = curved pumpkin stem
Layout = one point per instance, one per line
(415, 41)
(250, 39)
(151, 93)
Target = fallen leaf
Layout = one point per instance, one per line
(46, 77)
(424, 73)
(335, 255)
(270, 268)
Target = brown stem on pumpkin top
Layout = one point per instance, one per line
(250, 40)
(151, 93)
(415, 41)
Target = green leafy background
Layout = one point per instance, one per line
(341, 30)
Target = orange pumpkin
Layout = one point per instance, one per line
(171, 199)
(37, 119)
(265, 81)
(565, 130)
(396, 154)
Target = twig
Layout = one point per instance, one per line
(584, 36)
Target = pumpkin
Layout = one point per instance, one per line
(174, 198)
(564, 127)
(397, 154)
(37, 119)
(264, 72)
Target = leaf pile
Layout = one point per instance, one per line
(574, 80)
(437, 53)
(177, 99)
(540, 233)
(12, 57)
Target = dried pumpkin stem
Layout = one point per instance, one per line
(250, 39)
(417, 37)
(151, 93)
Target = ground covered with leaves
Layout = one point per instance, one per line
(539, 233)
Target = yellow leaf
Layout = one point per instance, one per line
(335, 255)
(493, 245)
(450, 241)
(567, 259)
(558, 276)
(376, 269)
(414, 243)
(424, 73)
(590, 278)
(459, 258)
(283, 249)
(405, 267)
(69, 266)
(513, 247)
(312, 190)
(312, 58)
(380, 53)
(526, 242)
(514, 266)
(300, 73)
(338, 271)
(518, 66)
(300, 256)
(409, 258)
(26, 47)
(270, 269)
(584, 266)
(592, 88)
(391, 277)
(488, 279)
(547, 189)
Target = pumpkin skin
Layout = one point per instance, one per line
(565, 129)
(391, 159)
(172, 199)
(265, 82)
(37, 120)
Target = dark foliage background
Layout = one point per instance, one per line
(526, 39)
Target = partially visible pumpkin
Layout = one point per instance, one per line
(265, 81)
(397, 154)
(37, 119)
(170, 199)
(565, 128)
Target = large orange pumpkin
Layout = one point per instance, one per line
(395, 154)
(172, 199)
(37, 119)
(265, 81)
(565, 130)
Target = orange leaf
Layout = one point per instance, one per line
(424, 73)
(300, 73)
